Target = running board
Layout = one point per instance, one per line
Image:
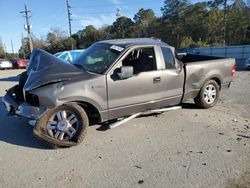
(118, 123)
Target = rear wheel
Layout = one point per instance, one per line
(208, 95)
(63, 126)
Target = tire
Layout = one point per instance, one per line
(208, 95)
(63, 126)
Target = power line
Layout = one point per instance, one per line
(55, 19)
(130, 10)
(26, 14)
(120, 4)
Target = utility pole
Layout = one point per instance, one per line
(118, 13)
(27, 26)
(5, 52)
(69, 19)
(12, 47)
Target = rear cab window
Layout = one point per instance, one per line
(168, 58)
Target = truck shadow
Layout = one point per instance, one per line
(189, 105)
(16, 131)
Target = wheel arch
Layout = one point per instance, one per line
(217, 80)
(91, 110)
(214, 78)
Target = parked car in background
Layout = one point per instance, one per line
(68, 56)
(19, 63)
(5, 64)
(247, 63)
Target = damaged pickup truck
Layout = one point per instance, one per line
(111, 80)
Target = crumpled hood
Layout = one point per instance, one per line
(45, 68)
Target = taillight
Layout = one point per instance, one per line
(233, 69)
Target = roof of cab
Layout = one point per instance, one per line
(135, 41)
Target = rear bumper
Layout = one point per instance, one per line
(6, 66)
(22, 65)
(21, 109)
(247, 65)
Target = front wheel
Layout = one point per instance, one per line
(208, 95)
(63, 126)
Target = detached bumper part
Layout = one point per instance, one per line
(25, 110)
(226, 86)
(30, 112)
(9, 103)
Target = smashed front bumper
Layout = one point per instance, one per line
(21, 109)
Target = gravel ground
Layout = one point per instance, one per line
(184, 148)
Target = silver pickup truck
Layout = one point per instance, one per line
(111, 80)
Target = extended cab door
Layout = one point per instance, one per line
(140, 92)
(172, 76)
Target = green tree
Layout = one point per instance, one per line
(24, 50)
(194, 22)
(2, 52)
(105, 31)
(214, 22)
(173, 19)
(225, 4)
(122, 27)
(90, 35)
(186, 42)
(145, 21)
(58, 41)
(238, 23)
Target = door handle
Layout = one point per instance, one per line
(156, 79)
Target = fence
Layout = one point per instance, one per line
(240, 53)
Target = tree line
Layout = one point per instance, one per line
(182, 24)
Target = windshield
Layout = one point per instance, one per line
(98, 57)
(75, 54)
(58, 54)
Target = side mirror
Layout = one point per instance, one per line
(179, 66)
(126, 72)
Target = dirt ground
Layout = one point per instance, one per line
(185, 148)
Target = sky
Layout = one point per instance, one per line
(46, 14)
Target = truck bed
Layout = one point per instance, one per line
(189, 58)
(200, 69)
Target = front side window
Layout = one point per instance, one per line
(141, 59)
(168, 57)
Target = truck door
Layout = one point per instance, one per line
(172, 78)
(138, 93)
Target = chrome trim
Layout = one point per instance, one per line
(118, 123)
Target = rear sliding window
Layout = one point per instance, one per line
(168, 57)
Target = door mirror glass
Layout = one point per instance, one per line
(179, 66)
(125, 72)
